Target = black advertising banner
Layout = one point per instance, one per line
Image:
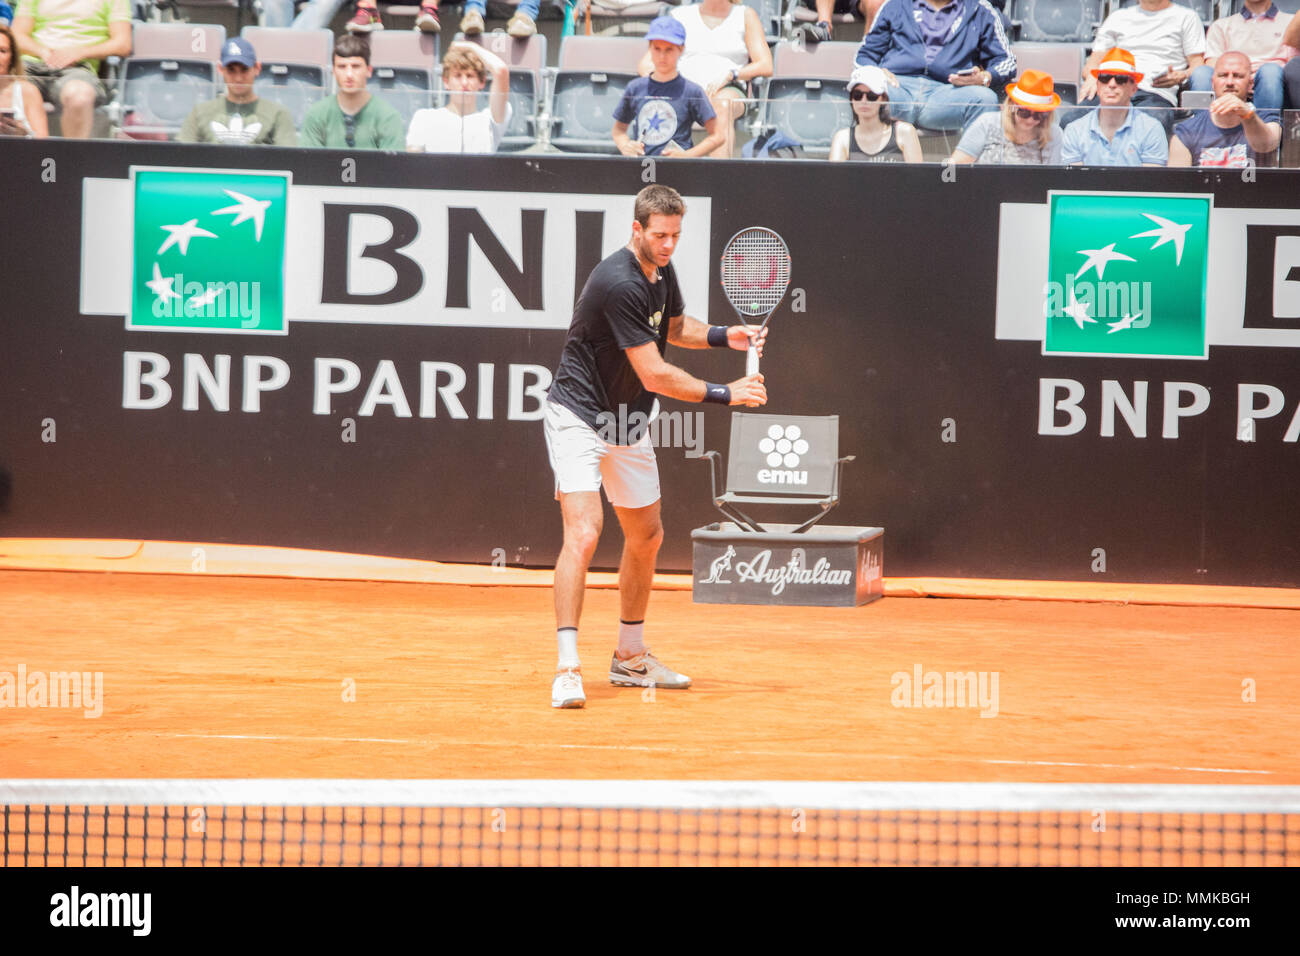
(1076, 374)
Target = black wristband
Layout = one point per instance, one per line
(718, 394)
(717, 336)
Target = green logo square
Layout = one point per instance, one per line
(209, 250)
(1126, 274)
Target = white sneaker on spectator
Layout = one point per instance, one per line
(427, 21)
(521, 26)
(471, 24)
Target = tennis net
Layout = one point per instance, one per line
(586, 822)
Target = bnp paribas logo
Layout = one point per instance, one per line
(209, 250)
(1126, 274)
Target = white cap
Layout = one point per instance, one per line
(872, 77)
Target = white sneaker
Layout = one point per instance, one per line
(471, 24)
(521, 26)
(645, 670)
(566, 689)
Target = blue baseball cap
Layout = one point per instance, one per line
(238, 50)
(667, 28)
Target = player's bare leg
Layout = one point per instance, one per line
(583, 519)
(633, 665)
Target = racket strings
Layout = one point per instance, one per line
(755, 271)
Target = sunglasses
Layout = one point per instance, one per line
(867, 95)
(1030, 114)
(1117, 78)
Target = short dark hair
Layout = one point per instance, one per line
(658, 200)
(350, 45)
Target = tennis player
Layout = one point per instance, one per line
(611, 369)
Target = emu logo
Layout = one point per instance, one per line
(783, 445)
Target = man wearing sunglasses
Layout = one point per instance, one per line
(353, 119)
(1116, 134)
(1167, 42)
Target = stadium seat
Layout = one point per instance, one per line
(1056, 21)
(527, 59)
(587, 86)
(406, 69)
(754, 440)
(246, 11)
(297, 66)
(172, 68)
(806, 97)
(1064, 61)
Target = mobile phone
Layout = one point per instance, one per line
(968, 71)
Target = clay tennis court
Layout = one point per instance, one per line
(211, 676)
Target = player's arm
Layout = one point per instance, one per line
(668, 380)
(690, 333)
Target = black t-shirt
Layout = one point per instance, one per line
(619, 309)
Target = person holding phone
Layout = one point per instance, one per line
(947, 60)
(22, 112)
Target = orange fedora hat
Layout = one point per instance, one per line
(1034, 91)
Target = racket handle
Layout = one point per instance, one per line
(751, 361)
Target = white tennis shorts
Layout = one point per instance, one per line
(582, 460)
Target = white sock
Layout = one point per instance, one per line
(629, 639)
(567, 638)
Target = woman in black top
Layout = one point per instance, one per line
(875, 137)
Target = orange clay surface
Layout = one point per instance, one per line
(208, 676)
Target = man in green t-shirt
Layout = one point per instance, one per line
(62, 43)
(353, 119)
(239, 117)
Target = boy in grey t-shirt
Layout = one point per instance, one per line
(239, 117)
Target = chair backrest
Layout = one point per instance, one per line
(296, 66)
(1057, 21)
(404, 49)
(593, 72)
(815, 61)
(806, 98)
(177, 41)
(793, 455)
(1064, 61)
(598, 54)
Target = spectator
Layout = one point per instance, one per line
(458, 127)
(319, 13)
(1116, 134)
(63, 42)
(1266, 36)
(875, 136)
(353, 118)
(726, 47)
(1167, 44)
(951, 59)
(1231, 132)
(1024, 132)
(239, 117)
(664, 105)
(22, 111)
(821, 31)
(521, 26)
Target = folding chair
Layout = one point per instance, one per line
(779, 460)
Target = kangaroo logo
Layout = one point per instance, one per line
(719, 565)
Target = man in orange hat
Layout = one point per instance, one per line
(1167, 42)
(1116, 134)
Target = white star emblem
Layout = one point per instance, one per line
(246, 207)
(206, 297)
(1168, 232)
(181, 236)
(162, 285)
(1097, 259)
(1078, 311)
(1122, 324)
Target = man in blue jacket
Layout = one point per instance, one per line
(951, 59)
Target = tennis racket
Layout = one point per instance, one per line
(755, 275)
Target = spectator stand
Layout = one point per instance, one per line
(172, 68)
(231, 15)
(586, 87)
(527, 60)
(297, 66)
(1056, 21)
(845, 27)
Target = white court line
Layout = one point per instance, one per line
(701, 750)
